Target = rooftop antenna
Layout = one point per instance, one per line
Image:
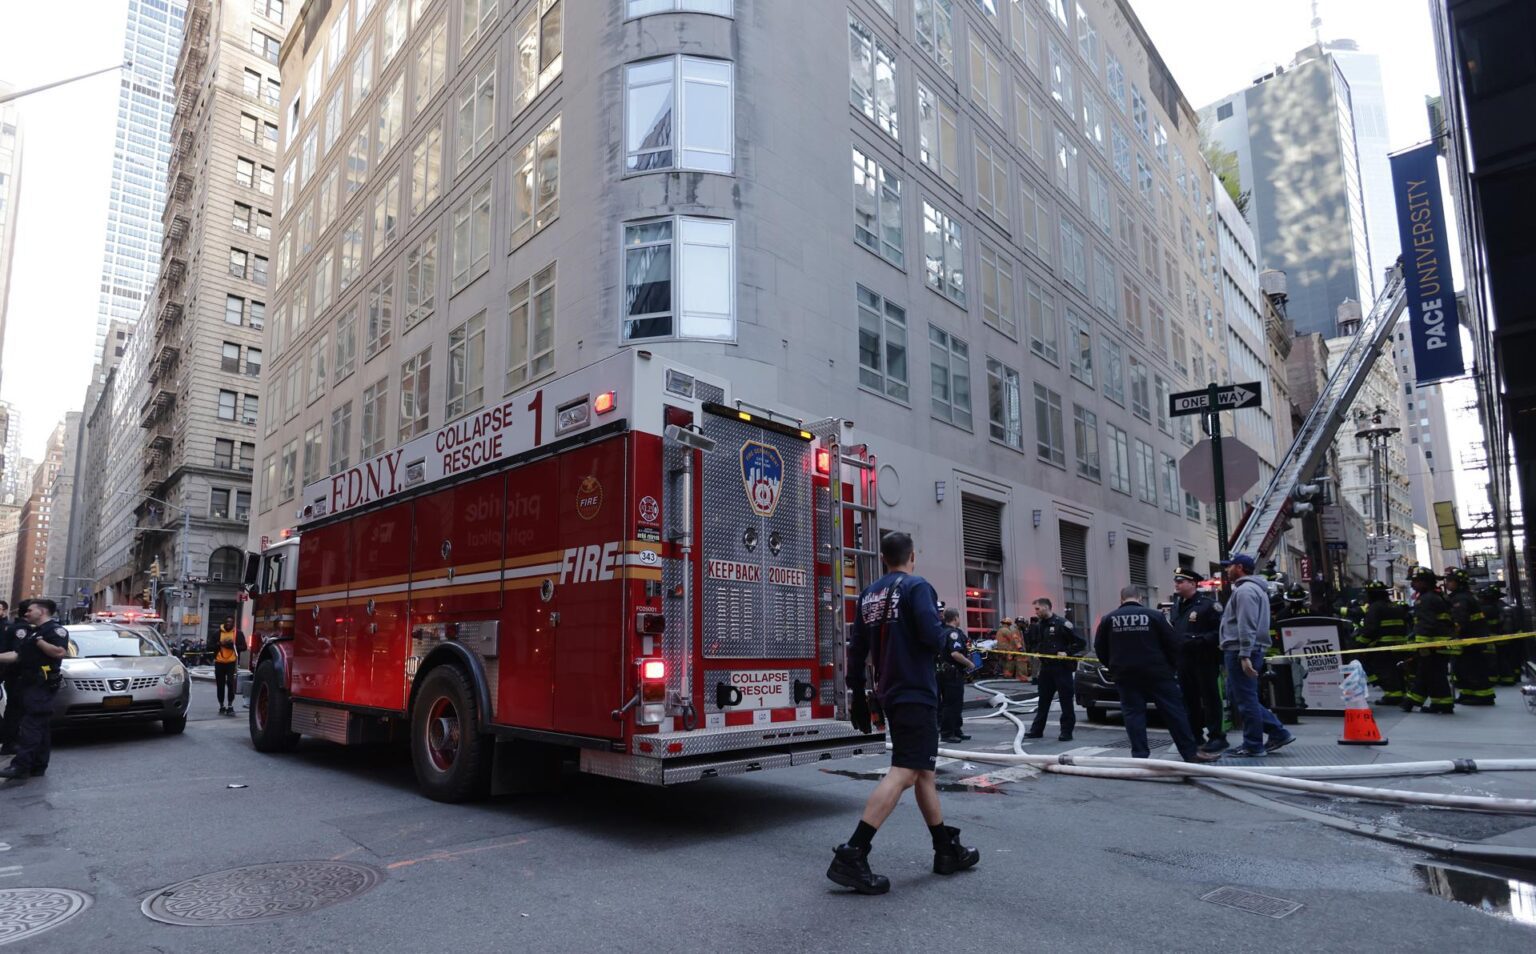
(1317, 25)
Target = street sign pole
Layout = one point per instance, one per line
(1217, 471)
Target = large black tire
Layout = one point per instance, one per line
(174, 725)
(451, 757)
(271, 715)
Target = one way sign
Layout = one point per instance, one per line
(1229, 397)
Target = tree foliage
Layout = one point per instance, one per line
(1223, 162)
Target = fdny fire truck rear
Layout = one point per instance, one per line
(626, 566)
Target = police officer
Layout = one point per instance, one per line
(1385, 624)
(1141, 652)
(1475, 664)
(10, 631)
(954, 666)
(898, 632)
(1051, 635)
(37, 661)
(1432, 622)
(1196, 619)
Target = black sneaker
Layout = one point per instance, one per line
(1215, 745)
(15, 771)
(1034, 735)
(1280, 743)
(952, 856)
(850, 868)
(953, 739)
(1064, 738)
(1441, 709)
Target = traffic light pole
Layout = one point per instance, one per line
(1219, 477)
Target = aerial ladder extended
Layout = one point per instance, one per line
(1266, 521)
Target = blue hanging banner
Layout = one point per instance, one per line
(1426, 266)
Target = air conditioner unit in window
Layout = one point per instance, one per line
(242, 515)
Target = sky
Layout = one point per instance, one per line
(1213, 48)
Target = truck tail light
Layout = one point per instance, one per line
(653, 692)
(823, 461)
(651, 624)
(605, 402)
(653, 670)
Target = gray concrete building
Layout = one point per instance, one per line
(110, 540)
(203, 358)
(1293, 132)
(57, 582)
(103, 448)
(977, 230)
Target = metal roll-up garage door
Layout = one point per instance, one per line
(981, 523)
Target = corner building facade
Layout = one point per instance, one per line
(980, 229)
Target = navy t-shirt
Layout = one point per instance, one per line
(914, 638)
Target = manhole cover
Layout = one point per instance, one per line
(25, 912)
(1252, 902)
(260, 892)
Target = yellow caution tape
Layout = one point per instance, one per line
(1396, 648)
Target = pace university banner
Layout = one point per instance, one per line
(1426, 266)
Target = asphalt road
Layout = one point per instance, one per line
(1067, 863)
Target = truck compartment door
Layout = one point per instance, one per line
(376, 605)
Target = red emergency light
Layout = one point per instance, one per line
(653, 670)
(605, 402)
(823, 461)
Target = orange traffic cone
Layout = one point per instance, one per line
(1360, 728)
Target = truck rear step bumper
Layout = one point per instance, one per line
(670, 758)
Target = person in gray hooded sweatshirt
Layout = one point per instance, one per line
(1244, 637)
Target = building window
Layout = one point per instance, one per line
(1074, 574)
(253, 362)
(992, 182)
(381, 316)
(245, 173)
(933, 29)
(696, 282)
(227, 401)
(357, 163)
(1036, 221)
(1170, 484)
(288, 468)
(395, 26)
(224, 454)
(679, 113)
(531, 329)
(1005, 411)
(539, 40)
(238, 262)
(1074, 264)
(1160, 402)
(274, 407)
(466, 368)
(431, 65)
(873, 69)
(986, 79)
(351, 264)
(641, 8)
(472, 237)
(1119, 461)
(324, 272)
(427, 170)
(341, 438)
(997, 291)
(1085, 434)
(1079, 348)
(375, 418)
(415, 395)
(1191, 507)
(882, 345)
(1093, 122)
(362, 74)
(1025, 31)
(420, 282)
(293, 398)
(1146, 473)
(1141, 399)
(250, 409)
(312, 452)
(218, 503)
(943, 254)
(1098, 202)
(1139, 115)
(981, 541)
(230, 360)
(1059, 69)
(1104, 290)
(1040, 317)
(234, 309)
(1050, 440)
(476, 115)
(877, 208)
(332, 127)
(1029, 127)
(1067, 165)
(265, 46)
(268, 481)
(1114, 371)
(386, 218)
(318, 352)
(478, 15)
(346, 344)
(536, 183)
(938, 136)
(950, 373)
(391, 116)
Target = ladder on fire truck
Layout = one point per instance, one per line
(853, 543)
(1266, 522)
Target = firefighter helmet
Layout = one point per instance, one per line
(1297, 594)
(1458, 576)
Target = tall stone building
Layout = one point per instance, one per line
(204, 354)
(57, 582)
(35, 521)
(840, 205)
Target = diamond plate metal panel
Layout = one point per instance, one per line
(710, 741)
(757, 618)
(674, 459)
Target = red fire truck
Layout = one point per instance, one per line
(626, 566)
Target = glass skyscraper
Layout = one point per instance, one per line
(141, 150)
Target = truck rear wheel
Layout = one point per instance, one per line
(271, 712)
(451, 757)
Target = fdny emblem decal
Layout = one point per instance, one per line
(589, 498)
(762, 474)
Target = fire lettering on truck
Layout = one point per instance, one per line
(733, 571)
(366, 482)
(590, 564)
(474, 441)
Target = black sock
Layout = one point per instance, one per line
(940, 834)
(862, 835)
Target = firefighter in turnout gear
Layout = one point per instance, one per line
(1386, 624)
(1475, 664)
(1507, 655)
(1010, 639)
(1432, 623)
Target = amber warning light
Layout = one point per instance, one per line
(605, 402)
